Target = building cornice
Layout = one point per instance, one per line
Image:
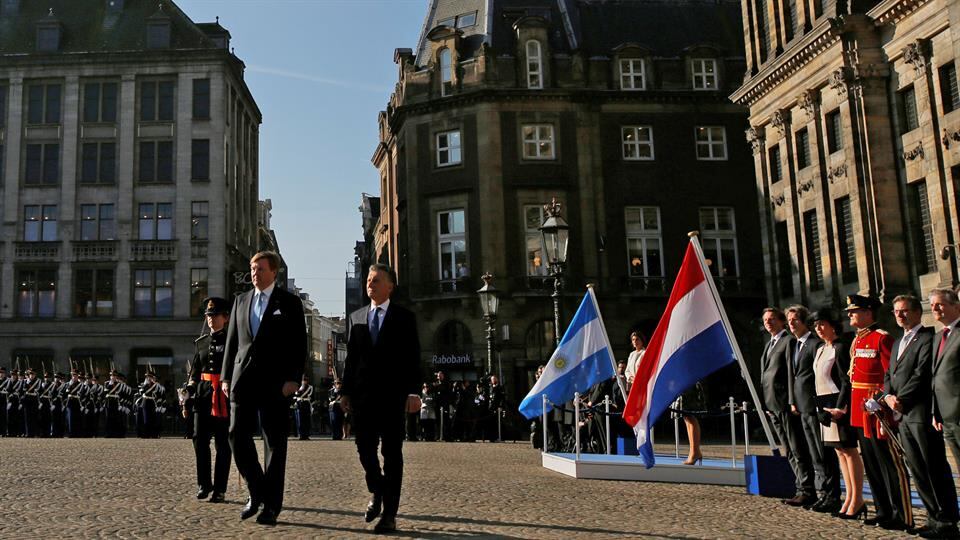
(892, 11)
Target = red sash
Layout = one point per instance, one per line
(218, 407)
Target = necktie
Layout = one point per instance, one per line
(375, 326)
(257, 314)
(943, 341)
(796, 355)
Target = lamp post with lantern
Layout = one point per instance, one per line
(489, 303)
(555, 233)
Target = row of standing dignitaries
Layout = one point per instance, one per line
(881, 405)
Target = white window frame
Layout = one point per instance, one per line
(715, 237)
(645, 237)
(698, 67)
(636, 143)
(537, 141)
(445, 58)
(709, 141)
(534, 65)
(449, 148)
(534, 234)
(632, 74)
(452, 239)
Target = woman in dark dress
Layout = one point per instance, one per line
(830, 365)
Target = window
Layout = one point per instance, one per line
(97, 222)
(704, 73)
(200, 160)
(719, 241)
(452, 245)
(763, 16)
(156, 161)
(99, 163)
(908, 109)
(3, 105)
(93, 293)
(201, 99)
(37, 294)
(711, 143)
(534, 65)
(776, 167)
(637, 142)
(538, 141)
(198, 290)
(153, 293)
(790, 18)
(814, 260)
(803, 149)
(40, 223)
(156, 101)
(42, 164)
(533, 218)
(100, 102)
(644, 255)
(784, 260)
(199, 220)
(48, 38)
(43, 104)
(446, 72)
(156, 221)
(464, 20)
(448, 148)
(845, 245)
(632, 74)
(834, 131)
(922, 228)
(949, 92)
(158, 35)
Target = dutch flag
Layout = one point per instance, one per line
(690, 342)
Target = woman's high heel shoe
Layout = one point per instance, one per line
(694, 460)
(859, 514)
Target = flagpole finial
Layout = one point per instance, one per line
(692, 234)
(591, 285)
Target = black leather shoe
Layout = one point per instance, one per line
(387, 524)
(203, 492)
(800, 500)
(874, 521)
(267, 517)
(216, 497)
(893, 525)
(946, 531)
(373, 508)
(250, 509)
(827, 506)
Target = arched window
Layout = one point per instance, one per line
(446, 72)
(453, 337)
(534, 65)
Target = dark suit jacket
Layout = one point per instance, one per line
(258, 366)
(773, 375)
(946, 378)
(803, 389)
(909, 377)
(379, 376)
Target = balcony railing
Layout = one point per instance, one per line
(36, 251)
(95, 250)
(153, 250)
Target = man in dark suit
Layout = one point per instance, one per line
(381, 382)
(907, 387)
(803, 402)
(263, 362)
(776, 383)
(945, 350)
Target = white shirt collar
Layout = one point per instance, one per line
(266, 292)
(803, 339)
(385, 305)
(952, 326)
(778, 335)
(912, 331)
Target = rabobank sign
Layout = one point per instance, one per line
(452, 359)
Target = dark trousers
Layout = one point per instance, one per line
(74, 418)
(56, 420)
(413, 430)
(207, 427)
(265, 484)
(3, 416)
(302, 416)
(789, 428)
(888, 479)
(115, 425)
(926, 457)
(951, 434)
(336, 422)
(826, 465)
(14, 418)
(44, 418)
(31, 417)
(148, 421)
(375, 428)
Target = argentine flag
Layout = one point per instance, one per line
(583, 359)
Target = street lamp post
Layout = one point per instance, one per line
(555, 233)
(489, 303)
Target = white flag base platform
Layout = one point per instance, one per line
(668, 469)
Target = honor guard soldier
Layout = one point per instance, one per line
(869, 361)
(45, 399)
(92, 406)
(30, 404)
(115, 419)
(4, 381)
(73, 407)
(148, 412)
(303, 403)
(56, 405)
(211, 411)
(14, 411)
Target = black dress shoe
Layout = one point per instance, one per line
(217, 497)
(387, 524)
(874, 521)
(203, 492)
(893, 525)
(373, 508)
(250, 509)
(945, 531)
(827, 506)
(800, 500)
(267, 517)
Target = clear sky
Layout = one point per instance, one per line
(320, 71)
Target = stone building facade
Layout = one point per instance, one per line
(617, 109)
(129, 144)
(856, 145)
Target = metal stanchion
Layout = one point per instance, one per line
(733, 431)
(576, 422)
(746, 429)
(442, 414)
(543, 420)
(676, 435)
(499, 428)
(606, 407)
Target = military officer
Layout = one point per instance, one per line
(4, 381)
(115, 424)
(72, 394)
(149, 404)
(46, 391)
(303, 403)
(56, 405)
(210, 407)
(870, 361)
(14, 416)
(30, 404)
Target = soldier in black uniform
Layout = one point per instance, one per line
(46, 391)
(336, 413)
(115, 420)
(4, 381)
(56, 405)
(71, 396)
(303, 401)
(30, 404)
(14, 416)
(210, 406)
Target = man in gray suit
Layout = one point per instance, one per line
(776, 382)
(946, 368)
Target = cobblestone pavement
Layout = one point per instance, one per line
(131, 488)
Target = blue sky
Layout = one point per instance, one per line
(320, 71)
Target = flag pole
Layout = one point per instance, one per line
(613, 362)
(733, 340)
